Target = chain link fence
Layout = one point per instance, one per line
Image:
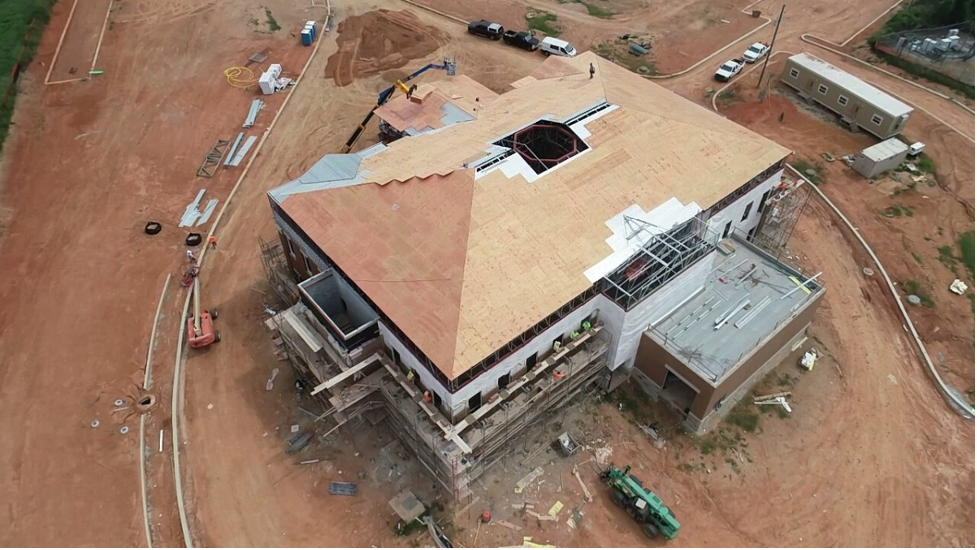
(947, 50)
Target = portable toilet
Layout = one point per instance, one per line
(307, 37)
(315, 31)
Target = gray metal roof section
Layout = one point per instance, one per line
(452, 115)
(886, 150)
(332, 171)
(854, 85)
(748, 274)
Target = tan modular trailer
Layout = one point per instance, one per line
(858, 103)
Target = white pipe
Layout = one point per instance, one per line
(968, 410)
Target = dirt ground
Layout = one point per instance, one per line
(379, 41)
(88, 164)
(871, 456)
(908, 244)
(681, 32)
(78, 47)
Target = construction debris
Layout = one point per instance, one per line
(771, 396)
(958, 287)
(507, 525)
(566, 444)
(342, 488)
(527, 479)
(298, 443)
(658, 440)
(192, 213)
(782, 401)
(311, 461)
(213, 159)
(555, 509)
(252, 113)
(407, 505)
(583, 487)
(541, 517)
(809, 358)
(243, 151)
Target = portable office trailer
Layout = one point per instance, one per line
(859, 104)
(880, 157)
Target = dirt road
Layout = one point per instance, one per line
(87, 166)
(872, 456)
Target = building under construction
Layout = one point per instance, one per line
(510, 251)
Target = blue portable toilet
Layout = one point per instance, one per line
(311, 25)
(306, 37)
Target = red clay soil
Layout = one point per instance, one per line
(871, 456)
(681, 33)
(908, 245)
(86, 166)
(379, 41)
(78, 49)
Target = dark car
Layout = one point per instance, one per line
(487, 29)
(521, 39)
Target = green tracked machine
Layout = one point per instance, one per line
(643, 505)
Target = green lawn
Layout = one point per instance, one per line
(16, 43)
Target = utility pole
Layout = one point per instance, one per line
(774, 39)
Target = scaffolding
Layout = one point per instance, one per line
(779, 217)
(277, 270)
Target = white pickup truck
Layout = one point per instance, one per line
(755, 52)
(729, 69)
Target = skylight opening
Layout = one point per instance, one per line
(544, 144)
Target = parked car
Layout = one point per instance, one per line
(521, 39)
(487, 29)
(729, 69)
(756, 51)
(555, 46)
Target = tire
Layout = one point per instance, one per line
(194, 239)
(213, 313)
(649, 530)
(217, 336)
(619, 498)
(546, 53)
(152, 228)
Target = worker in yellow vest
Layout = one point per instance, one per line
(585, 326)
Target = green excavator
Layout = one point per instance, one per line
(643, 505)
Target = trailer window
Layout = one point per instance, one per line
(794, 73)
(877, 120)
(842, 100)
(822, 89)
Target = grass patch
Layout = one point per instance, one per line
(966, 243)
(617, 52)
(947, 258)
(540, 21)
(970, 296)
(592, 9)
(916, 257)
(743, 416)
(913, 287)
(898, 210)
(727, 96)
(817, 168)
(21, 24)
(925, 164)
(273, 25)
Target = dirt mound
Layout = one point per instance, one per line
(379, 41)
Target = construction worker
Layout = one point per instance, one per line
(585, 326)
(592, 71)
(410, 377)
(557, 375)
(574, 335)
(427, 396)
(190, 257)
(213, 241)
(557, 345)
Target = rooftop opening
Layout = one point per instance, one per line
(544, 144)
(338, 307)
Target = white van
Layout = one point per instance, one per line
(555, 46)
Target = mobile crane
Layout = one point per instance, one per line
(446, 65)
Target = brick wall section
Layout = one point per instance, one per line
(653, 358)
